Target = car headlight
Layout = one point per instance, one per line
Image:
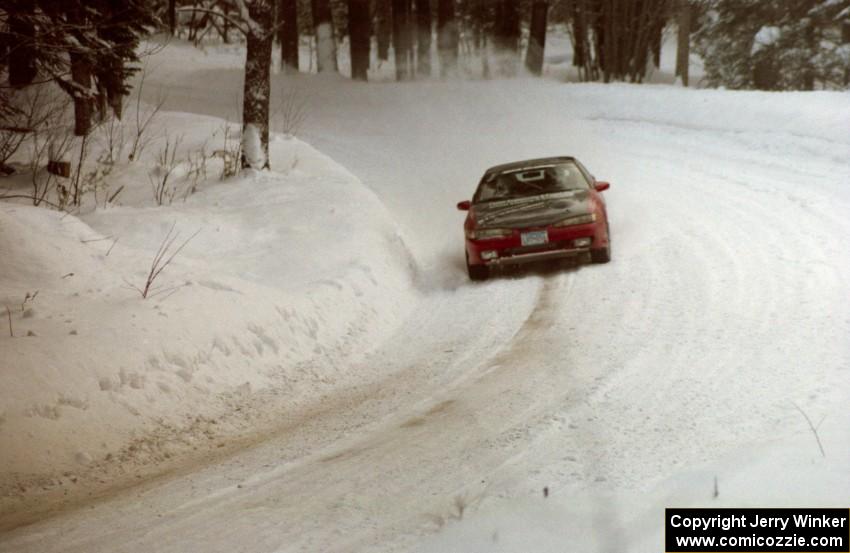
(487, 233)
(577, 220)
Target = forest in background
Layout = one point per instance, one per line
(88, 51)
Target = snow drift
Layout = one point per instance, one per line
(284, 275)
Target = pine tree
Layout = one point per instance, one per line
(94, 42)
(774, 45)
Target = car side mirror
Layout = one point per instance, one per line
(464, 205)
(601, 185)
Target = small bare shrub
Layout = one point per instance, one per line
(29, 297)
(230, 153)
(164, 187)
(23, 112)
(52, 144)
(11, 139)
(76, 183)
(460, 503)
(113, 138)
(291, 112)
(197, 169)
(163, 258)
(143, 118)
(35, 116)
(812, 427)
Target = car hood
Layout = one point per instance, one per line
(533, 211)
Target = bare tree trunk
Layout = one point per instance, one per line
(510, 25)
(845, 39)
(359, 38)
(506, 36)
(257, 87)
(683, 41)
(402, 39)
(172, 16)
(447, 37)
(423, 37)
(811, 42)
(287, 13)
(656, 39)
(606, 40)
(101, 103)
(81, 77)
(325, 41)
(579, 22)
(586, 15)
(537, 37)
(623, 32)
(4, 50)
(383, 28)
(225, 28)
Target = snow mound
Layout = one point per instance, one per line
(284, 279)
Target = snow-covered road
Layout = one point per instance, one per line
(725, 305)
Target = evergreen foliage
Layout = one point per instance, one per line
(774, 44)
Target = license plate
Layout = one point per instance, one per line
(534, 238)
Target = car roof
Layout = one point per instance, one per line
(526, 163)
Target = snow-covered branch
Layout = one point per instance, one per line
(240, 25)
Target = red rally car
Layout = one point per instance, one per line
(535, 210)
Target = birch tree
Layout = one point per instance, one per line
(325, 40)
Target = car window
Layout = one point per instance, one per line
(531, 181)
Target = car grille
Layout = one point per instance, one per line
(549, 246)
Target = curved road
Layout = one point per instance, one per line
(725, 301)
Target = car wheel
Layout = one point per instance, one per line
(477, 272)
(602, 255)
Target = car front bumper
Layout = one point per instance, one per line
(509, 250)
(533, 257)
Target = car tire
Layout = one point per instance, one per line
(477, 272)
(602, 255)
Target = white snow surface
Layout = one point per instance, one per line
(253, 148)
(622, 388)
(765, 36)
(277, 273)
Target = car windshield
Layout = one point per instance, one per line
(531, 181)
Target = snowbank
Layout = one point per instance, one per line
(599, 517)
(286, 278)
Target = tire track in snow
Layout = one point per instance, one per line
(344, 444)
(755, 329)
